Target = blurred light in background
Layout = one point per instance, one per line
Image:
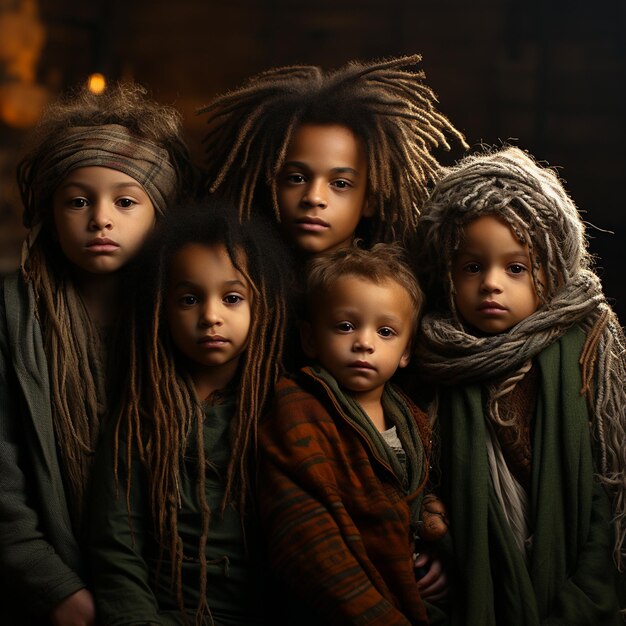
(96, 83)
(22, 36)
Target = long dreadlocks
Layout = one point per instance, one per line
(160, 408)
(386, 105)
(531, 200)
(67, 132)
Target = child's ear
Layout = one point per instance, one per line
(306, 339)
(368, 208)
(406, 357)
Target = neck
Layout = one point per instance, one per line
(209, 379)
(100, 293)
(371, 403)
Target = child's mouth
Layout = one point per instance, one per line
(312, 224)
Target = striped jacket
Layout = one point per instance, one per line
(338, 521)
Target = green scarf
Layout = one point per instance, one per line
(569, 578)
(398, 413)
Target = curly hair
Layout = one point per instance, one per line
(125, 104)
(383, 262)
(385, 104)
(159, 405)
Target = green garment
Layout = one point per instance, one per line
(129, 585)
(569, 579)
(398, 414)
(40, 560)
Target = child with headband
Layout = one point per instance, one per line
(529, 360)
(100, 172)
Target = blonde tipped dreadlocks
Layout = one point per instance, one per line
(73, 345)
(160, 407)
(509, 185)
(386, 105)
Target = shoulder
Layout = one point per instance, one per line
(300, 407)
(301, 392)
(15, 293)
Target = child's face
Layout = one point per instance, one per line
(492, 277)
(208, 309)
(361, 332)
(101, 218)
(322, 188)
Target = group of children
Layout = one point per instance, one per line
(159, 464)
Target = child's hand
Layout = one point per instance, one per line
(434, 518)
(433, 585)
(75, 610)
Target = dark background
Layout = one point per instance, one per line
(549, 76)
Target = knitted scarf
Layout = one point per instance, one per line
(565, 578)
(397, 412)
(530, 199)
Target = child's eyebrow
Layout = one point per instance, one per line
(88, 186)
(354, 313)
(520, 252)
(226, 283)
(334, 170)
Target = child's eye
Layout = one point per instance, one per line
(126, 203)
(385, 331)
(516, 268)
(344, 327)
(78, 203)
(233, 298)
(295, 178)
(472, 268)
(341, 184)
(188, 300)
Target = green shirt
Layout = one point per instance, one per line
(131, 586)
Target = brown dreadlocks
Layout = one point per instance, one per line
(386, 105)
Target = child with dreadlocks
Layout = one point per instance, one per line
(99, 172)
(344, 457)
(329, 153)
(172, 534)
(528, 355)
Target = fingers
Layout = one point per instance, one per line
(433, 585)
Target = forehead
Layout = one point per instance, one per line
(201, 262)
(96, 175)
(360, 294)
(489, 232)
(326, 141)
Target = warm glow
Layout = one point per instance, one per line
(21, 103)
(96, 83)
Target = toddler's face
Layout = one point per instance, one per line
(361, 333)
(492, 277)
(101, 218)
(322, 188)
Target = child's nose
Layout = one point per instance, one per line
(491, 281)
(100, 216)
(315, 194)
(363, 342)
(211, 315)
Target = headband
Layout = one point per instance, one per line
(112, 146)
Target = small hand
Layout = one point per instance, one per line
(75, 610)
(433, 585)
